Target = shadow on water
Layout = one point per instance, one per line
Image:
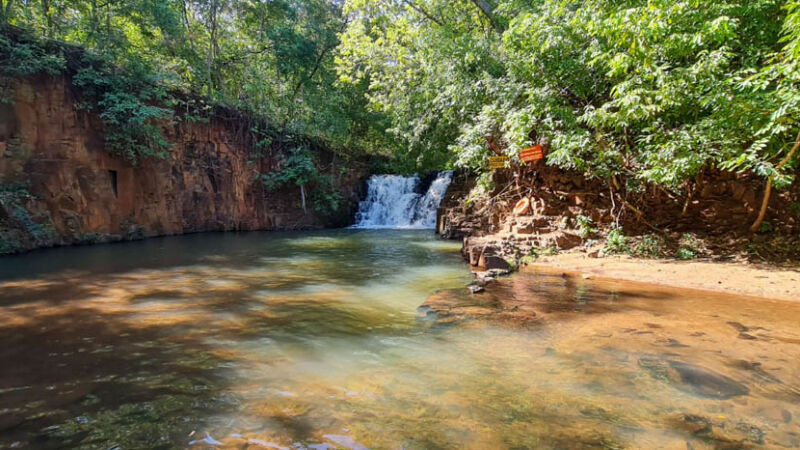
(78, 375)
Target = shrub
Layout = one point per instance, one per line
(585, 226)
(299, 170)
(651, 246)
(616, 242)
(688, 247)
(12, 199)
(124, 103)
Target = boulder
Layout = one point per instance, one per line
(495, 262)
(566, 241)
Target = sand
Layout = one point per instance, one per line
(735, 278)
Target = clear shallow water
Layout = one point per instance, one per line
(267, 340)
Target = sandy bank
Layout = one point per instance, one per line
(732, 278)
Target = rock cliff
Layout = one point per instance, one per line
(58, 185)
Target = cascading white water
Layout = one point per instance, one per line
(393, 202)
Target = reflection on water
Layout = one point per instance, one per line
(314, 341)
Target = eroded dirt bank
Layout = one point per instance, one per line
(59, 185)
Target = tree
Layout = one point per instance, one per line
(781, 78)
(653, 91)
(274, 59)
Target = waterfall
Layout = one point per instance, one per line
(394, 201)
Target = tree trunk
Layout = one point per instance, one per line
(303, 198)
(212, 45)
(186, 23)
(5, 12)
(94, 23)
(48, 18)
(768, 191)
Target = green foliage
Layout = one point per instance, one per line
(27, 56)
(13, 198)
(21, 57)
(685, 253)
(125, 103)
(655, 90)
(299, 169)
(325, 198)
(273, 59)
(616, 242)
(688, 247)
(650, 246)
(585, 226)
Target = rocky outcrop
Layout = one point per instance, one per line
(568, 210)
(59, 186)
(452, 222)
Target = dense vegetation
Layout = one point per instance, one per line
(272, 59)
(631, 91)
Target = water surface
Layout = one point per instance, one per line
(292, 340)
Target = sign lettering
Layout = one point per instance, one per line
(497, 162)
(532, 154)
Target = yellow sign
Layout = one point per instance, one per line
(497, 162)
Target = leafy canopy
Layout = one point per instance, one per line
(655, 90)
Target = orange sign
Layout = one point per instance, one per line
(531, 154)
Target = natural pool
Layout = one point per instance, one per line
(292, 340)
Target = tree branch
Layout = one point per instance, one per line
(488, 11)
(422, 11)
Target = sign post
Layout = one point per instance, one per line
(532, 154)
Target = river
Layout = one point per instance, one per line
(315, 340)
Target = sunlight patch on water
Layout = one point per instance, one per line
(452, 246)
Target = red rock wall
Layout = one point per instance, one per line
(206, 183)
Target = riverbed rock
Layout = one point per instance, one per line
(475, 288)
(693, 379)
(495, 262)
(567, 240)
(691, 423)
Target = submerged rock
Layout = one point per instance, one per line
(690, 423)
(722, 434)
(206, 440)
(475, 288)
(344, 441)
(693, 379)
